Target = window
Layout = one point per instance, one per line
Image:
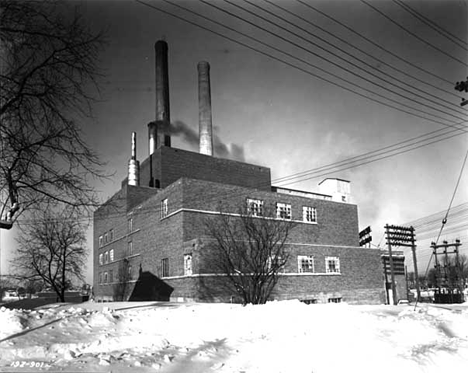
(188, 264)
(111, 276)
(165, 267)
(105, 238)
(305, 264)
(129, 272)
(255, 207)
(309, 214)
(332, 264)
(334, 300)
(164, 208)
(101, 259)
(130, 248)
(111, 255)
(275, 262)
(105, 277)
(100, 277)
(106, 257)
(283, 210)
(100, 241)
(130, 225)
(111, 235)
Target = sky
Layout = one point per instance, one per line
(284, 102)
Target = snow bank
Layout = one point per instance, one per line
(276, 337)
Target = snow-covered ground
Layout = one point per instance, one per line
(288, 337)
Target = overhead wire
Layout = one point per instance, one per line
(325, 59)
(439, 99)
(413, 34)
(433, 25)
(308, 5)
(351, 45)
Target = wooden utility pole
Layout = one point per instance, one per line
(415, 264)
(392, 272)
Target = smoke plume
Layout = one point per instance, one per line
(221, 150)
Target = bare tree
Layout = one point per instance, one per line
(48, 82)
(122, 287)
(52, 249)
(249, 250)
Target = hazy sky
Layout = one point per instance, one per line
(272, 96)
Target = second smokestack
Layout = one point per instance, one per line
(204, 109)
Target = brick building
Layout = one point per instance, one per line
(154, 223)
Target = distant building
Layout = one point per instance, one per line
(154, 223)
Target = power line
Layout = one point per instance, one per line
(413, 34)
(326, 59)
(439, 99)
(350, 44)
(298, 59)
(433, 25)
(374, 43)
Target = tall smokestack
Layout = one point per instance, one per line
(204, 109)
(158, 131)
(133, 165)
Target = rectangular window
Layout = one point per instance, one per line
(283, 210)
(130, 248)
(105, 277)
(111, 255)
(106, 257)
(130, 225)
(255, 207)
(305, 264)
(334, 300)
(188, 264)
(275, 262)
(105, 238)
(164, 208)
(100, 277)
(165, 267)
(111, 235)
(111, 276)
(309, 214)
(129, 272)
(332, 264)
(100, 241)
(101, 259)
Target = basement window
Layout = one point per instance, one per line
(188, 264)
(332, 264)
(309, 214)
(305, 264)
(255, 207)
(164, 208)
(283, 210)
(334, 300)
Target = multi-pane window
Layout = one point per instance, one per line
(334, 300)
(111, 255)
(130, 225)
(164, 208)
(275, 262)
(305, 264)
(188, 264)
(111, 235)
(100, 241)
(283, 210)
(106, 257)
(165, 267)
(105, 277)
(255, 207)
(101, 259)
(332, 264)
(105, 238)
(130, 248)
(309, 214)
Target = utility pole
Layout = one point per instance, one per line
(392, 271)
(415, 264)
